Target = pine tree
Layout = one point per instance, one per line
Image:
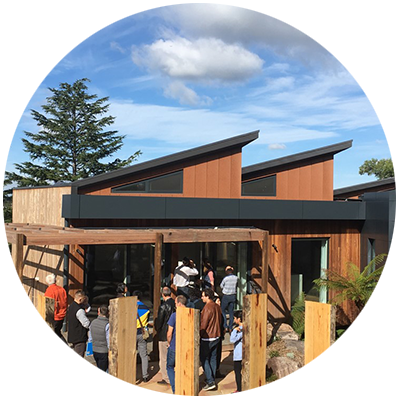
(72, 140)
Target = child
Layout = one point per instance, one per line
(236, 338)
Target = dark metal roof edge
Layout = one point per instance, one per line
(331, 149)
(363, 186)
(236, 141)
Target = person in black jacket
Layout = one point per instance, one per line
(78, 323)
(165, 310)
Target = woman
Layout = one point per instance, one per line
(208, 275)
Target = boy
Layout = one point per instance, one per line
(236, 339)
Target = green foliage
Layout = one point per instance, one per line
(355, 285)
(345, 343)
(72, 139)
(274, 353)
(380, 168)
(298, 314)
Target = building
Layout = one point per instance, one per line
(214, 209)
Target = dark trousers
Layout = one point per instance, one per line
(228, 304)
(101, 360)
(171, 368)
(237, 367)
(208, 358)
(58, 336)
(79, 354)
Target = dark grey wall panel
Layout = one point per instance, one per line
(122, 207)
(191, 208)
(333, 210)
(270, 209)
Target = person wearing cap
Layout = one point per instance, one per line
(182, 275)
(60, 303)
(228, 287)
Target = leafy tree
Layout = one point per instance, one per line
(355, 285)
(380, 168)
(72, 140)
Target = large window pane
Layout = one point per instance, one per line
(260, 187)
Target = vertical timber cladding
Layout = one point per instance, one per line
(187, 351)
(320, 329)
(254, 341)
(40, 206)
(123, 329)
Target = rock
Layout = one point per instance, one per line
(295, 345)
(286, 332)
(282, 366)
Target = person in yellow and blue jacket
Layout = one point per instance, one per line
(143, 314)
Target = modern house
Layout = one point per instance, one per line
(204, 204)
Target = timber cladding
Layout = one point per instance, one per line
(40, 206)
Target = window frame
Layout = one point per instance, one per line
(147, 183)
(257, 180)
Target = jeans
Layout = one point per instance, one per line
(368, 379)
(171, 368)
(228, 303)
(208, 358)
(142, 350)
(101, 360)
(79, 354)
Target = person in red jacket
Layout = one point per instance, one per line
(60, 303)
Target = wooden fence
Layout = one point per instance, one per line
(320, 324)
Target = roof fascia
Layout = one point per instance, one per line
(306, 155)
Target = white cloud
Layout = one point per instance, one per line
(186, 96)
(203, 60)
(277, 146)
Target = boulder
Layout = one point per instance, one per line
(282, 366)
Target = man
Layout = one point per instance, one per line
(142, 322)
(165, 311)
(368, 334)
(182, 275)
(60, 303)
(210, 332)
(180, 301)
(78, 323)
(99, 331)
(228, 286)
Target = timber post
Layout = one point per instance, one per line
(187, 351)
(123, 330)
(18, 261)
(254, 358)
(378, 343)
(45, 346)
(320, 329)
(264, 262)
(157, 286)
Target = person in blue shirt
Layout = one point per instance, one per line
(143, 313)
(236, 339)
(180, 301)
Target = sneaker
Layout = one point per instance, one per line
(210, 386)
(147, 379)
(163, 382)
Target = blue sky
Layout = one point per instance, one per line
(178, 77)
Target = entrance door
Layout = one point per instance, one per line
(309, 260)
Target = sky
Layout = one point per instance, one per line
(178, 77)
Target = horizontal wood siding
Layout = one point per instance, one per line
(40, 206)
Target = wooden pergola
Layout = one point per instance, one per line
(20, 235)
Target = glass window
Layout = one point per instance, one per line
(169, 183)
(260, 187)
